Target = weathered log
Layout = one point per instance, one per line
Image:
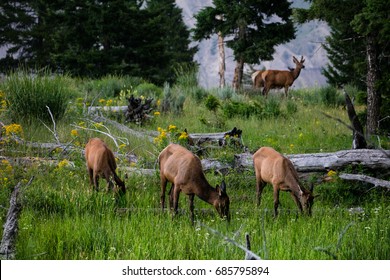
(113, 109)
(123, 128)
(220, 138)
(7, 246)
(368, 179)
(320, 162)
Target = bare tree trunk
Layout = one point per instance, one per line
(238, 71)
(359, 142)
(221, 49)
(373, 98)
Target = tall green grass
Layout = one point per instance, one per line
(29, 94)
(63, 218)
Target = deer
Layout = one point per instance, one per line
(272, 167)
(183, 170)
(101, 161)
(281, 78)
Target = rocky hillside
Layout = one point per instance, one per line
(309, 37)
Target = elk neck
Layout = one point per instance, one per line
(207, 193)
(296, 72)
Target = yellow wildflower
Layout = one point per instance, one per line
(109, 102)
(156, 113)
(172, 128)
(102, 100)
(13, 129)
(74, 132)
(183, 135)
(63, 163)
(332, 173)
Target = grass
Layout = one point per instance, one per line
(63, 218)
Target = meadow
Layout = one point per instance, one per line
(63, 218)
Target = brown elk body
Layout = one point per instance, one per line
(101, 162)
(272, 167)
(184, 170)
(281, 78)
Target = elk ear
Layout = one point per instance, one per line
(223, 187)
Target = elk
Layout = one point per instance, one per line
(101, 161)
(281, 78)
(184, 170)
(256, 79)
(272, 167)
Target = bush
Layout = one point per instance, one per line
(330, 97)
(241, 109)
(28, 95)
(149, 90)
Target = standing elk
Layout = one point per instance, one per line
(184, 170)
(101, 161)
(281, 78)
(272, 167)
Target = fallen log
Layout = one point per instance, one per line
(7, 245)
(320, 162)
(367, 179)
(221, 138)
(113, 109)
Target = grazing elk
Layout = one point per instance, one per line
(271, 167)
(184, 170)
(281, 78)
(101, 161)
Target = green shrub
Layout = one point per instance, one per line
(28, 95)
(149, 90)
(212, 103)
(241, 109)
(173, 100)
(272, 108)
(330, 96)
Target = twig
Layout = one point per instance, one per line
(231, 241)
(54, 132)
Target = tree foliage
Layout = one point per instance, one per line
(358, 50)
(95, 38)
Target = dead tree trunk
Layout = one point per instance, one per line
(7, 246)
(358, 142)
(323, 162)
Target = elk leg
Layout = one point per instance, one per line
(176, 193)
(163, 182)
(297, 201)
(259, 190)
(96, 182)
(191, 200)
(170, 193)
(276, 201)
(90, 173)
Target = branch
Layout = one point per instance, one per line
(368, 179)
(54, 132)
(248, 252)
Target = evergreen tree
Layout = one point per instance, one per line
(95, 38)
(358, 50)
(252, 28)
